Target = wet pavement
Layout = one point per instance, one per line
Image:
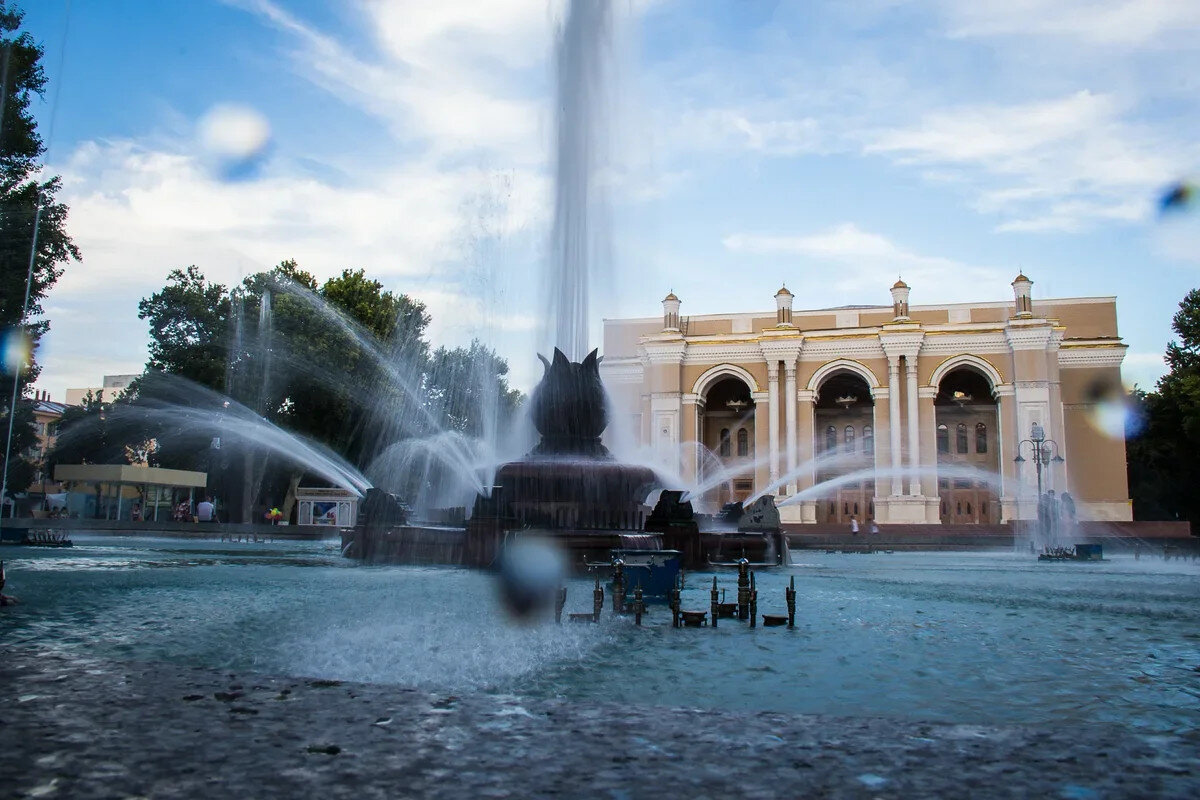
(73, 726)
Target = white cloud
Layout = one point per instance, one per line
(1143, 369)
(136, 213)
(1121, 23)
(1059, 164)
(857, 264)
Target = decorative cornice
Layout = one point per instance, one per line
(1036, 334)
(787, 350)
(664, 352)
(952, 343)
(747, 352)
(902, 341)
(1076, 355)
(623, 370)
(927, 392)
(825, 349)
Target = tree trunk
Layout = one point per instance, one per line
(289, 500)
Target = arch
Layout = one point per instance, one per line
(842, 365)
(966, 360)
(713, 374)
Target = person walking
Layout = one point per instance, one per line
(854, 526)
(872, 527)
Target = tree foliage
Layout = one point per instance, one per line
(1162, 444)
(189, 321)
(344, 362)
(32, 222)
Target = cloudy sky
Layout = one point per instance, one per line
(828, 145)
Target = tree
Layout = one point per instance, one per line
(1164, 438)
(32, 223)
(468, 389)
(189, 328)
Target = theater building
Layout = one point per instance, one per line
(905, 414)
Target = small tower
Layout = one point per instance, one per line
(899, 301)
(783, 307)
(671, 312)
(1021, 292)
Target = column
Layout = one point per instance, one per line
(914, 439)
(894, 423)
(789, 404)
(773, 419)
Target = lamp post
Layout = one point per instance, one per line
(1044, 453)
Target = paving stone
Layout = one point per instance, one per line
(76, 728)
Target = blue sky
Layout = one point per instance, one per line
(829, 145)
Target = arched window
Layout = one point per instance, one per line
(725, 441)
(830, 439)
(743, 442)
(960, 437)
(943, 439)
(849, 438)
(980, 437)
(868, 440)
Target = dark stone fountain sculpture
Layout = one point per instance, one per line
(569, 484)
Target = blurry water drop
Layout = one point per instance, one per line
(17, 350)
(235, 138)
(531, 570)
(1111, 412)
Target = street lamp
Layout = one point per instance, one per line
(1044, 453)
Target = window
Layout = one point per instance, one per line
(960, 437)
(943, 439)
(725, 441)
(849, 438)
(830, 439)
(868, 440)
(980, 438)
(743, 442)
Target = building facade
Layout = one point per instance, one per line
(952, 413)
(111, 388)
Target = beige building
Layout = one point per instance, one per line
(111, 389)
(904, 414)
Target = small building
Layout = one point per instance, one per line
(335, 508)
(120, 488)
(46, 416)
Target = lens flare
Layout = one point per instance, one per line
(17, 349)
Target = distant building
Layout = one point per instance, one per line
(46, 415)
(920, 414)
(112, 387)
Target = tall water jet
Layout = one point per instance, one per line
(580, 239)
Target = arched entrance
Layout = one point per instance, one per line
(727, 430)
(967, 440)
(845, 443)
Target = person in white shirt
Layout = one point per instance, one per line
(205, 510)
(854, 525)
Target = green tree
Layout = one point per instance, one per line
(468, 389)
(189, 328)
(1165, 435)
(32, 222)
(84, 436)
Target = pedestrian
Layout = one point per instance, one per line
(1068, 507)
(205, 509)
(872, 527)
(853, 526)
